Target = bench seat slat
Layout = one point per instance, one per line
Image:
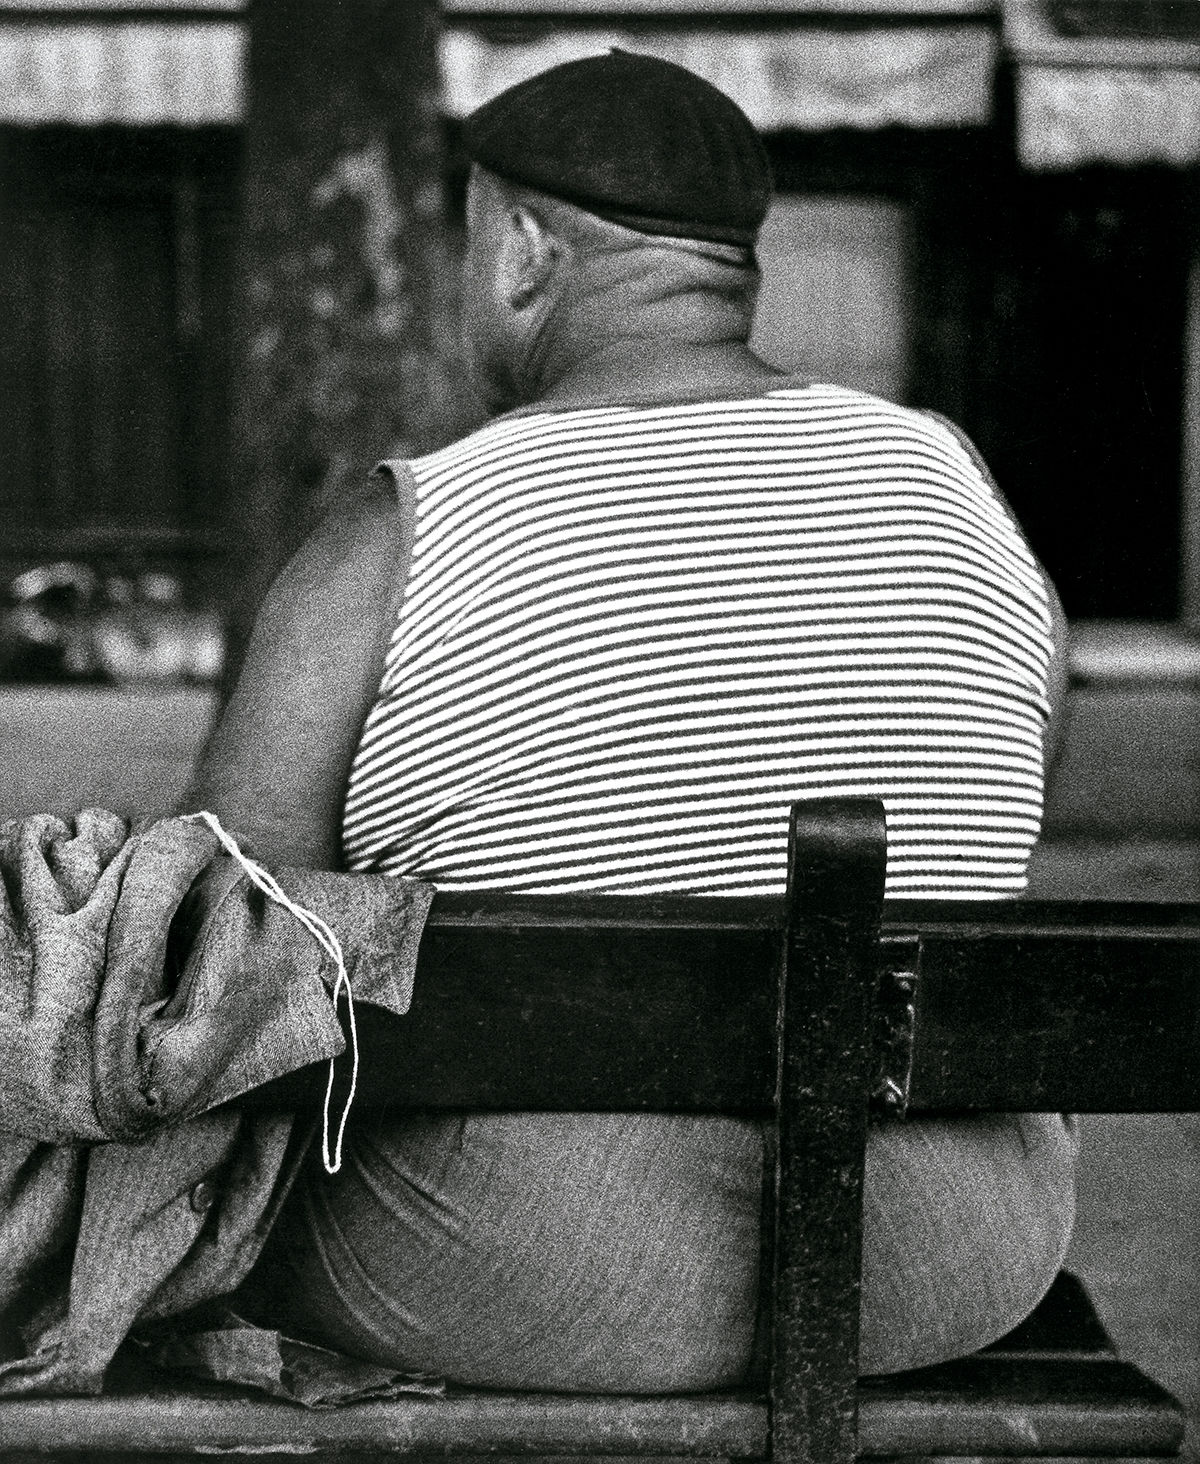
(980, 1406)
(1001, 1405)
(1053, 1384)
(202, 1419)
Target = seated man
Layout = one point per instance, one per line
(602, 644)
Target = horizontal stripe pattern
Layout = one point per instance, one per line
(633, 636)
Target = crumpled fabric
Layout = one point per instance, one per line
(231, 1349)
(144, 983)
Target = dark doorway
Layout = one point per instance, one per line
(1079, 404)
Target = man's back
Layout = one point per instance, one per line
(633, 635)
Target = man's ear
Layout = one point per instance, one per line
(533, 256)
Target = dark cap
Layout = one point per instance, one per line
(634, 139)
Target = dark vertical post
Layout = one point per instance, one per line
(836, 865)
(1190, 455)
(342, 358)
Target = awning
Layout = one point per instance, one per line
(1092, 99)
(912, 63)
(810, 74)
(114, 70)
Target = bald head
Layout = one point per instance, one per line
(589, 236)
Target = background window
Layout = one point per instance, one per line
(115, 302)
(834, 303)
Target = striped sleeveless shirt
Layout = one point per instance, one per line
(633, 635)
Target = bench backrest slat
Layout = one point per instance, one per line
(1053, 1020)
(596, 1003)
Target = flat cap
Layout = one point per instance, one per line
(640, 141)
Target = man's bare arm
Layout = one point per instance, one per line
(276, 765)
(1057, 675)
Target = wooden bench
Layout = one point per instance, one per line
(813, 1010)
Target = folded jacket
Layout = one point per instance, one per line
(144, 983)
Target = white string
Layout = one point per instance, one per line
(329, 943)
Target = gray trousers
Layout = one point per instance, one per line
(618, 1253)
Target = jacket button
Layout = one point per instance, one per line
(202, 1196)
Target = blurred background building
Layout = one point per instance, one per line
(229, 239)
(987, 207)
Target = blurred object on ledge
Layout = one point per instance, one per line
(40, 632)
(73, 621)
(147, 634)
